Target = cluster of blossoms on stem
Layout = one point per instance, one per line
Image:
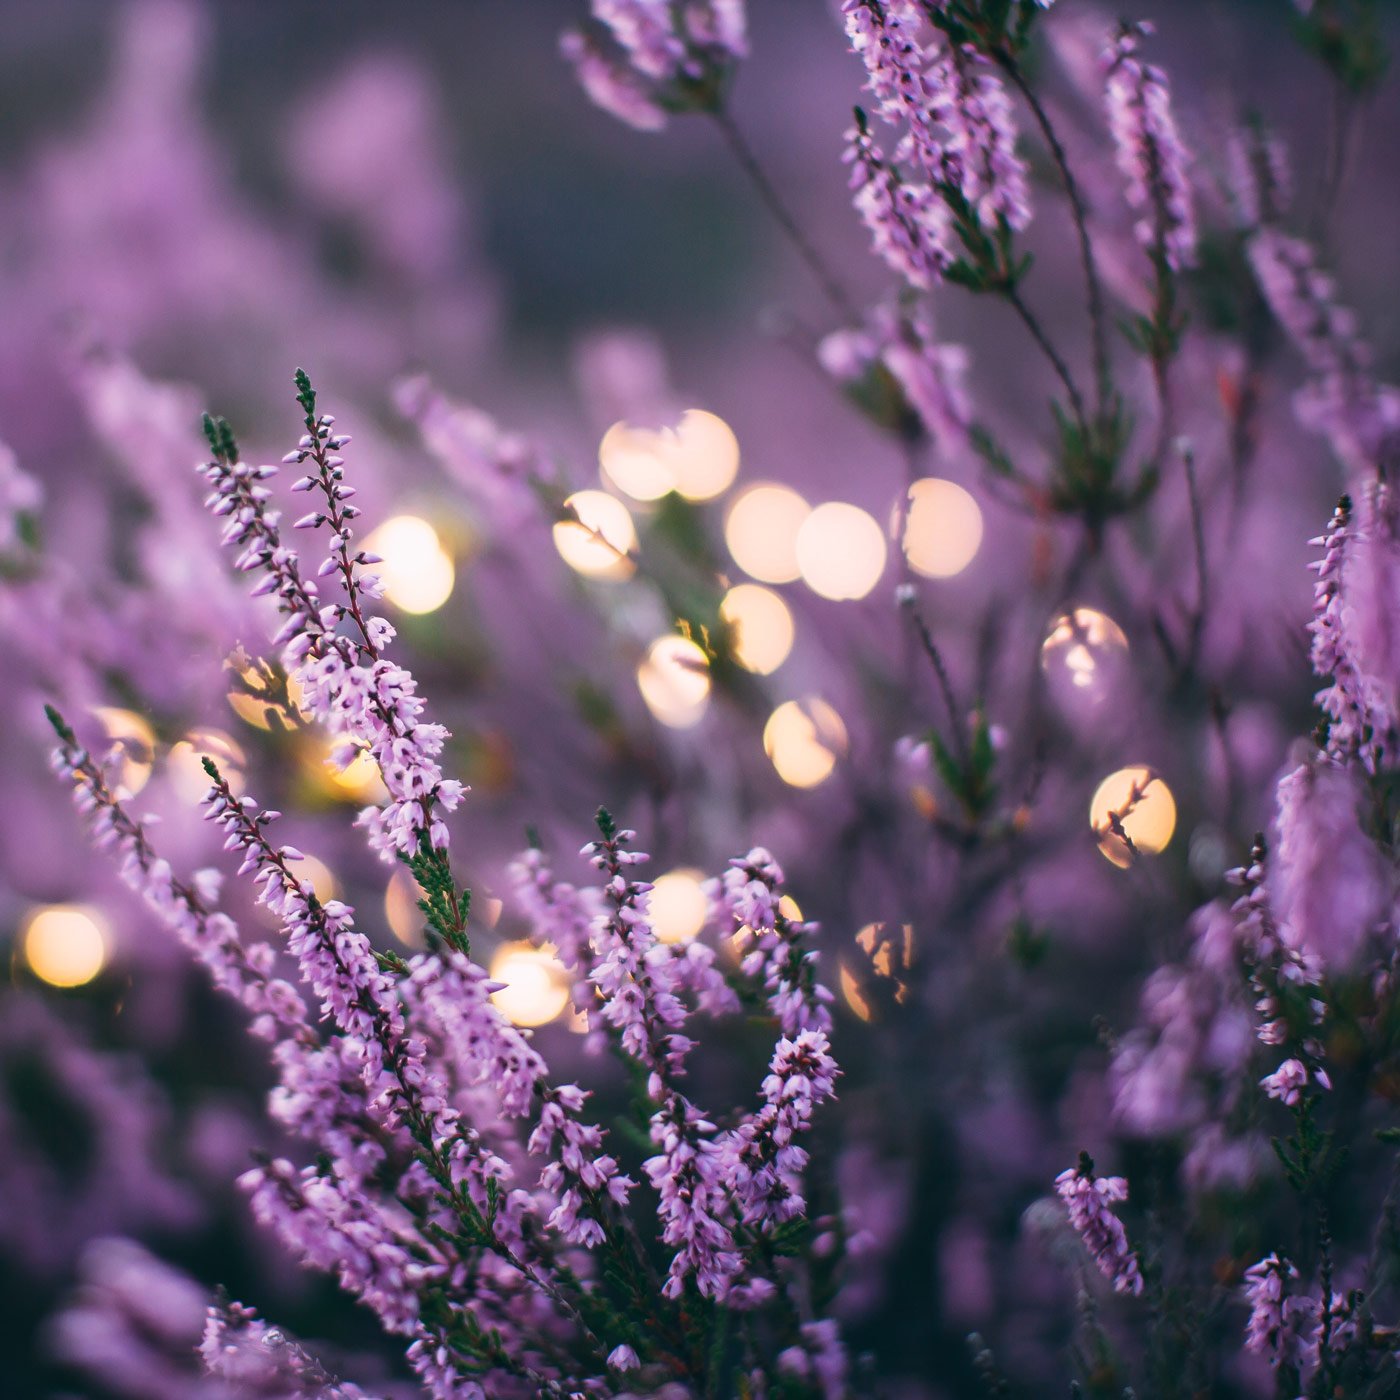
(1277, 1319)
(640, 59)
(902, 375)
(956, 139)
(1343, 400)
(1150, 154)
(773, 948)
(424, 1107)
(1290, 999)
(238, 1347)
(1261, 179)
(1090, 1199)
(1330, 885)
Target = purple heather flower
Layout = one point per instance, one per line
(1090, 1200)
(910, 227)
(1289, 1080)
(1261, 181)
(1331, 892)
(771, 946)
(610, 84)
(240, 1348)
(930, 376)
(1358, 415)
(957, 142)
(365, 701)
(1150, 154)
(821, 1358)
(660, 57)
(766, 1161)
(1276, 1320)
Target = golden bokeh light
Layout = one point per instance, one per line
(1078, 641)
(854, 997)
(706, 455)
(761, 627)
(416, 570)
(674, 678)
(254, 704)
(942, 528)
(890, 953)
(137, 742)
(638, 461)
(535, 991)
(699, 458)
(401, 909)
(1146, 810)
(804, 738)
(761, 532)
(322, 879)
(840, 551)
(599, 543)
(677, 905)
(185, 763)
(359, 782)
(64, 945)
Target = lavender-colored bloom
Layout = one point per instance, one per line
(772, 946)
(610, 84)
(1090, 1200)
(365, 700)
(952, 110)
(661, 56)
(1360, 417)
(238, 1347)
(1261, 181)
(20, 497)
(910, 227)
(1150, 154)
(896, 356)
(1330, 891)
(1276, 1319)
(1286, 1083)
(821, 1359)
(767, 1162)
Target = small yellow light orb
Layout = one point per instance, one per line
(840, 551)
(761, 532)
(674, 679)
(64, 945)
(1078, 641)
(535, 990)
(804, 739)
(942, 528)
(416, 570)
(761, 626)
(706, 455)
(1146, 809)
(677, 905)
(599, 543)
(138, 746)
(185, 763)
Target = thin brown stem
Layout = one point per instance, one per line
(1047, 346)
(1078, 212)
(738, 144)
